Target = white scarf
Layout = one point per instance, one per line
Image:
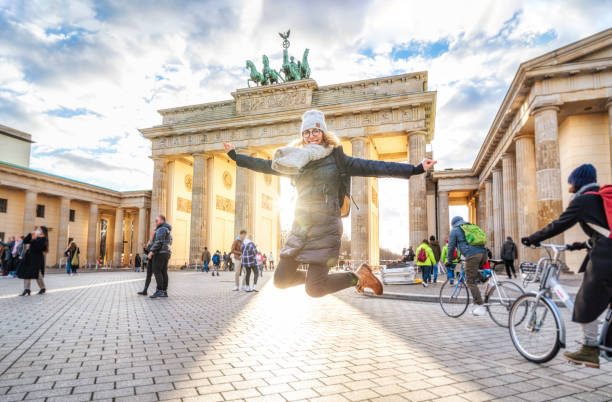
(289, 160)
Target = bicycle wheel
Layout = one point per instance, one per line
(535, 333)
(455, 298)
(499, 300)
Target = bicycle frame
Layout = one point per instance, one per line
(603, 334)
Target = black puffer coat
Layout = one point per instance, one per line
(317, 227)
(595, 293)
(34, 260)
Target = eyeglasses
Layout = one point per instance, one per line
(313, 132)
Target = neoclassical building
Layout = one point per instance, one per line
(107, 225)
(208, 200)
(556, 115)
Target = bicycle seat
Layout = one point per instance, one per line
(495, 262)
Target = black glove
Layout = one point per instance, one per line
(527, 242)
(577, 246)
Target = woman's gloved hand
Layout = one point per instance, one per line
(579, 245)
(527, 242)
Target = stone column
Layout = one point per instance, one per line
(360, 224)
(498, 211)
(159, 190)
(489, 208)
(527, 194)
(481, 209)
(118, 238)
(29, 213)
(509, 195)
(199, 207)
(243, 218)
(417, 208)
(548, 168)
(62, 228)
(143, 236)
(443, 218)
(92, 234)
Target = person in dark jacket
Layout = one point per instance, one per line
(314, 239)
(509, 253)
(137, 262)
(160, 254)
(7, 256)
(595, 293)
(33, 266)
(435, 248)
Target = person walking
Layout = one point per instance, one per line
(205, 259)
(33, 266)
(260, 262)
(68, 255)
(320, 170)
(237, 258)
(425, 260)
(435, 248)
(7, 255)
(75, 255)
(509, 253)
(271, 261)
(450, 262)
(475, 255)
(216, 260)
(148, 263)
(137, 262)
(18, 255)
(249, 263)
(160, 254)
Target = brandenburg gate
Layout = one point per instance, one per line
(208, 200)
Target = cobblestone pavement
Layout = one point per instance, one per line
(92, 338)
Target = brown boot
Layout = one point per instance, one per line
(368, 280)
(587, 355)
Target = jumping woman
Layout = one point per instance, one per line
(311, 163)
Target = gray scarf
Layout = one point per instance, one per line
(289, 160)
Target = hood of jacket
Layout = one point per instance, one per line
(166, 225)
(459, 223)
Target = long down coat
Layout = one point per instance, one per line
(595, 293)
(317, 228)
(34, 260)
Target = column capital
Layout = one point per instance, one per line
(508, 155)
(410, 133)
(496, 169)
(538, 109)
(523, 136)
(356, 139)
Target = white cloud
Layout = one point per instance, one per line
(83, 76)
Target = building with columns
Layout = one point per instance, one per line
(108, 226)
(556, 115)
(208, 200)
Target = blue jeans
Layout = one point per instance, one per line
(68, 266)
(435, 272)
(426, 273)
(450, 272)
(205, 266)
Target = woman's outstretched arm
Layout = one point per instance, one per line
(371, 168)
(249, 162)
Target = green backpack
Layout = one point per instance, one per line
(474, 235)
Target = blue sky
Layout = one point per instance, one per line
(83, 76)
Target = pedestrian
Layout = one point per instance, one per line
(409, 256)
(590, 207)
(265, 261)
(260, 263)
(450, 262)
(147, 262)
(75, 255)
(7, 255)
(475, 255)
(205, 259)
(33, 266)
(237, 259)
(435, 248)
(425, 260)
(249, 263)
(216, 260)
(18, 256)
(509, 253)
(271, 261)
(160, 254)
(320, 171)
(137, 262)
(225, 261)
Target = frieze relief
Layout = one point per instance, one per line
(334, 122)
(273, 101)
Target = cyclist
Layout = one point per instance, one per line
(595, 293)
(475, 258)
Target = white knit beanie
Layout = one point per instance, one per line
(313, 119)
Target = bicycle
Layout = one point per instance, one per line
(498, 296)
(529, 320)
